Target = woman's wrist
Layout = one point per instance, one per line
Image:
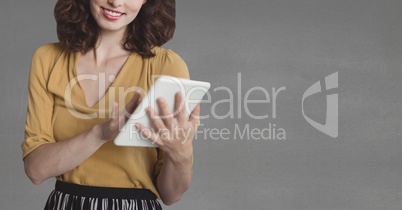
(95, 135)
(180, 158)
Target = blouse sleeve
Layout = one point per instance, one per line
(38, 126)
(172, 65)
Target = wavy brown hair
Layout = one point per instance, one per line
(153, 26)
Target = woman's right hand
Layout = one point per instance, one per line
(107, 131)
(50, 160)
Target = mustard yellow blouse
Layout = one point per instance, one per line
(57, 111)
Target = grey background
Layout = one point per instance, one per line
(271, 43)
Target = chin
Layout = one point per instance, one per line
(111, 27)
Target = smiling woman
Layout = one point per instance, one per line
(120, 40)
(113, 16)
(78, 23)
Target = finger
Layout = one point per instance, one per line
(195, 115)
(165, 112)
(147, 133)
(115, 121)
(132, 104)
(179, 108)
(122, 118)
(156, 121)
(177, 103)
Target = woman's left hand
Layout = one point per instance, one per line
(172, 132)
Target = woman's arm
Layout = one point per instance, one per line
(175, 177)
(53, 159)
(174, 135)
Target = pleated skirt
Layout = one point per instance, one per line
(67, 196)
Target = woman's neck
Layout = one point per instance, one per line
(109, 45)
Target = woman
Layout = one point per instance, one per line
(107, 50)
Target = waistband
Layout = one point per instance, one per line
(104, 192)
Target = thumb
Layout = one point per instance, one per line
(114, 121)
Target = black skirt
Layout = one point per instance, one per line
(69, 196)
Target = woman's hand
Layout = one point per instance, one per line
(108, 130)
(49, 160)
(172, 132)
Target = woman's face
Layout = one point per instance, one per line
(114, 15)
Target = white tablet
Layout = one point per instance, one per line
(166, 87)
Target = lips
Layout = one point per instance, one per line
(111, 14)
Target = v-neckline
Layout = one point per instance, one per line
(77, 57)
